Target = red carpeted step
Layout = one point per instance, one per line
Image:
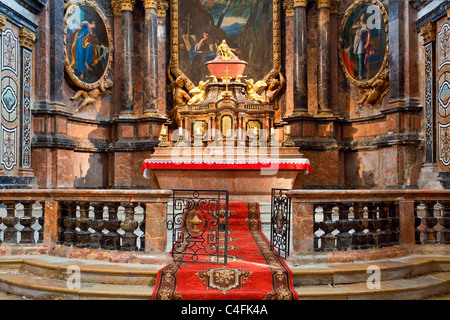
(253, 272)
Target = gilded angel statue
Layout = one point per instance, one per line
(252, 89)
(199, 93)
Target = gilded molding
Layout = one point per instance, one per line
(27, 38)
(428, 32)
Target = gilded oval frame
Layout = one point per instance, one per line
(385, 64)
(174, 43)
(77, 81)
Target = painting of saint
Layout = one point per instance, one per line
(87, 46)
(246, 25)
(364, 42)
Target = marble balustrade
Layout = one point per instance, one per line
(355, 220)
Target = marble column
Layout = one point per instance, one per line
(127, 85)
(300, 58)
(324, 7)
(150, 58)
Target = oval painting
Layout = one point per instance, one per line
(364, 41)
(87, 44)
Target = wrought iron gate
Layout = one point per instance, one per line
(199, 225)
(280, 222)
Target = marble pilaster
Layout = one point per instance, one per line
(324, 74)
(56, 10)
(127, 84)
(300, 58)
(396, 54)
(150, 58)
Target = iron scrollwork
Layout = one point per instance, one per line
(199, 226)
(280, 222)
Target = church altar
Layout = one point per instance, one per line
(245, 176)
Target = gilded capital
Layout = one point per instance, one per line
(122, 5)
(161, 9)
(2, 21)
(300, 3)
(288, 8)
(150, 4)
(324, 4)
(428, 32)
(27, 38)
(335, 6)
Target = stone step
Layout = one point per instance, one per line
(42, 288)
(354, 273)
(91, 271)
(421, 287)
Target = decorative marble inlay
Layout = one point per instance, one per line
(26, 109)
(429, 123)
(8, 148)
(443, 46)
(444, 144)
(8, 99)
(444, 99)
(10, 45)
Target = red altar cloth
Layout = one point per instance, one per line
(227, 164)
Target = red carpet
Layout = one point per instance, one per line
(253, 271)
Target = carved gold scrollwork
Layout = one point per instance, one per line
(89, 91)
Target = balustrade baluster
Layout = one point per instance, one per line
(316, 227)
(10, 221)
(27, 233)
(395, 226)
(112, 238)
(372, 225)
(40, 221)
(328, 226)
(319, 212)
(129, 225)
(418, 214)
(430, 221)
(386, 223)
(142, 228)
(445, 232)
(98, 224)
(83, 222)
(359, 238)
(70, 223)
(63, 213)
(344, 225)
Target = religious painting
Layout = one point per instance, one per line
(88, 44)
(364, 41)
(250, 28)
